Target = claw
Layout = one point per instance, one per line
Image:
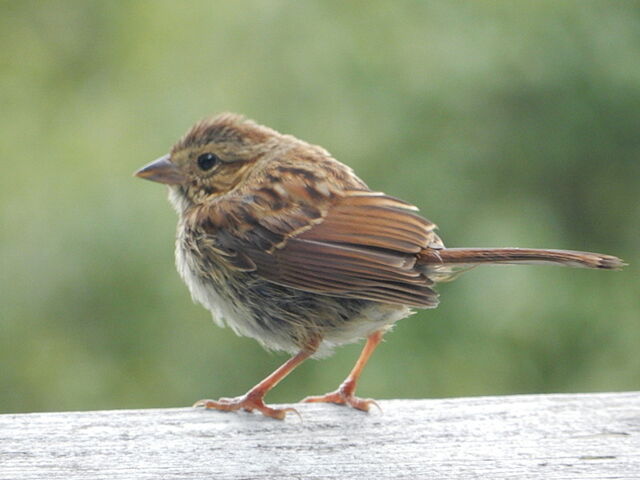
(253, 399)
(341, 398)
(344, 395)
(248, 404)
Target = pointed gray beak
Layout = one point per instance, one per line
(162, 170)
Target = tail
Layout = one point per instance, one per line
(446, 262)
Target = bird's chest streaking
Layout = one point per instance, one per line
(279, 317)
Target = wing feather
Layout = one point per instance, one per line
(357, 244)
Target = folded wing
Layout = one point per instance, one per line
(360, 244)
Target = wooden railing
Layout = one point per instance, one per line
(584, 436)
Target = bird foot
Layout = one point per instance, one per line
(341, 397)
(248, 403)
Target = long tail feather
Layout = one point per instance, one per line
(468, 257)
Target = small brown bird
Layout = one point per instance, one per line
(284, 244)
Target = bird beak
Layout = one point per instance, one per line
(162, 170)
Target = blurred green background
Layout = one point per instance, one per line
(508, 123)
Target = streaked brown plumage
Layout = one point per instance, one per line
(285, 244)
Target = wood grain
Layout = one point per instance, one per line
(585, 436)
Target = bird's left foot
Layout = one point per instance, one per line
(247, 403)
(342, 397)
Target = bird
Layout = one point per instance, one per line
(284, 244)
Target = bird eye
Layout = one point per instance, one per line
(207, 161)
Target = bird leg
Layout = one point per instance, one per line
(253, 399)
(344, 395)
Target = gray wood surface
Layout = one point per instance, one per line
(587, 436)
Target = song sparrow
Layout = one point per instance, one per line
(284, 244)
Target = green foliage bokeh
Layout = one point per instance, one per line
(508, 123)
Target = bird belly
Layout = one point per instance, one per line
(277, 316)
(217, 293)
(372, 318)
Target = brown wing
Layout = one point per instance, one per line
(358, 245)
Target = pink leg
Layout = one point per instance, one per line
(344, 395)
(253, 399)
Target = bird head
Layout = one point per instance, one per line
(211, 159)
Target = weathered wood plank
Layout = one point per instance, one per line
(587, 436)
